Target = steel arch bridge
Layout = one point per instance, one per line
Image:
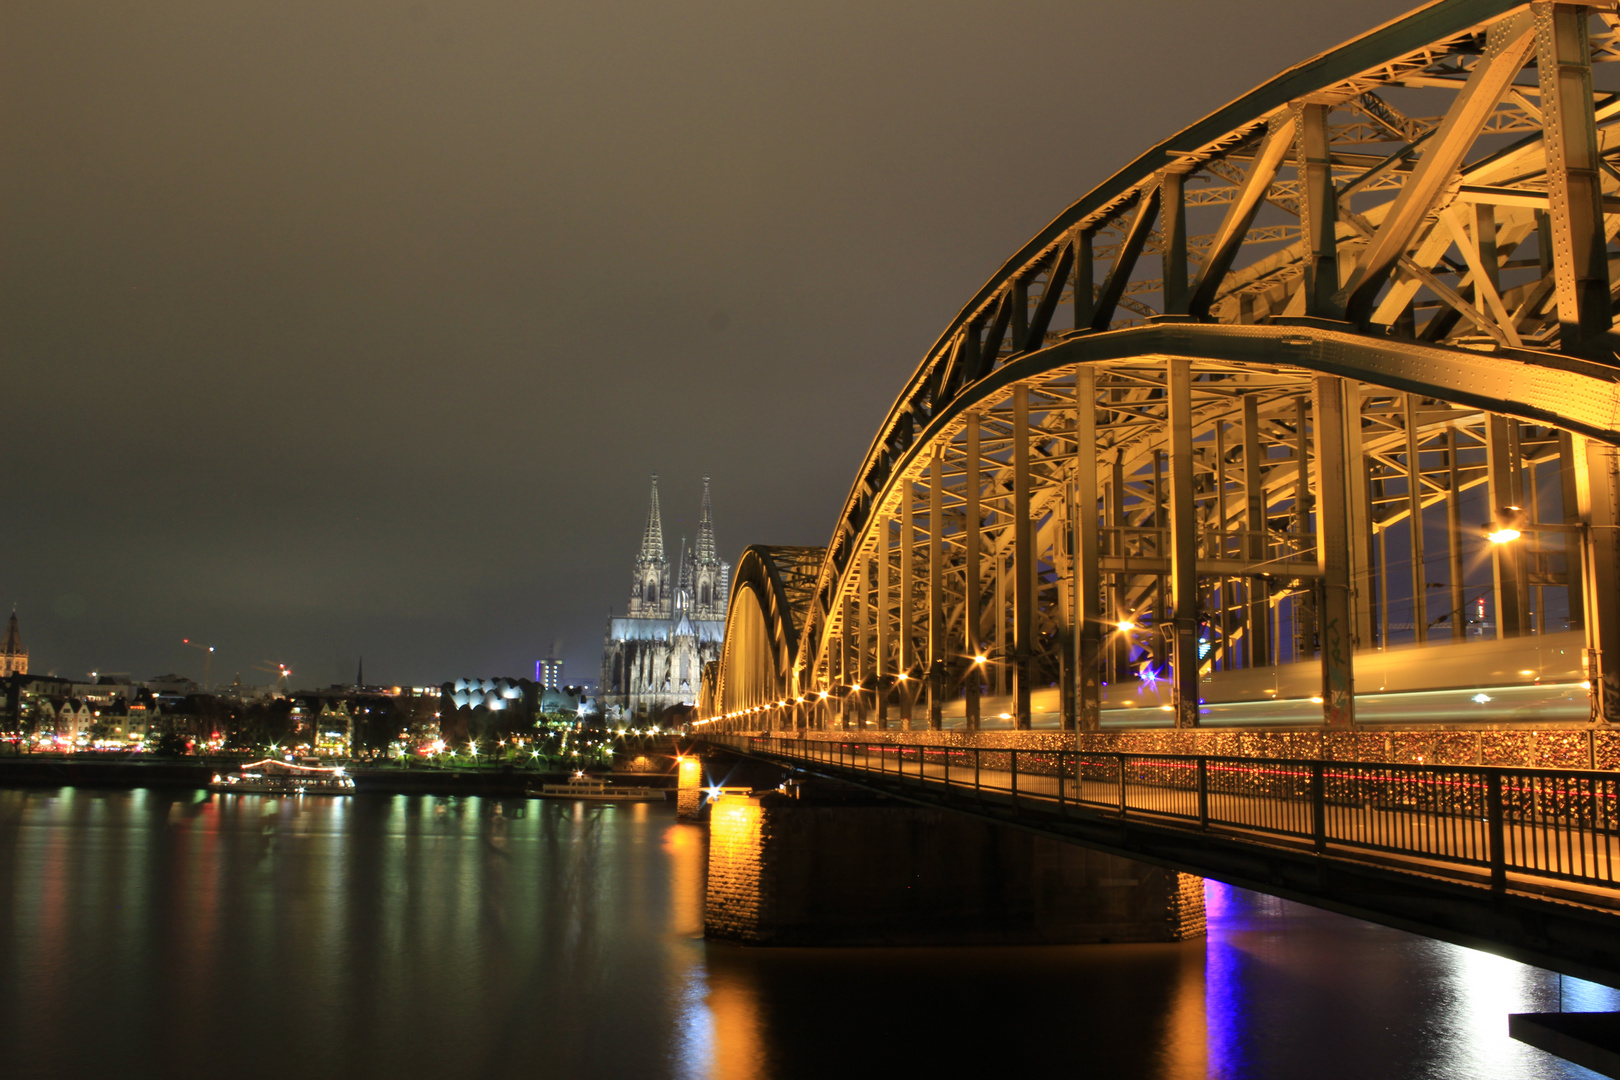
(1241, 416)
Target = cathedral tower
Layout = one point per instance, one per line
(709, 575)
(649, 591)
(13, 657)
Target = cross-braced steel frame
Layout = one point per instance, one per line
(1254, 400)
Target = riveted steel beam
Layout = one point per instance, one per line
(1574, 182)
(1508, 46)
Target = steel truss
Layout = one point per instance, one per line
(1400, 291)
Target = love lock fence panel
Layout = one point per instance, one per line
(1161, 785)
(1561, 825)
(1260, 795)
(1434, 811)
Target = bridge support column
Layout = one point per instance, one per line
(1335, 408)
(1023, 658)
(1454, 554)
(1086, 558)
(1183, 546)
(840, 868)
(908, 593)
(1502, 463)
(863, 654)
(885, 574)
(1257, 618)
(973, 590)
(1414, 514)
(1597, 491)
(936, 591)
(849, 640)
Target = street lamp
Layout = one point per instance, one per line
(1509, 525)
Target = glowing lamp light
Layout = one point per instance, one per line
(901, 677)
(980, 659)
(1006, 716)
(1480, 699)
(1316, 701)
(1507, 526)
(825, 693)
(1125, 626)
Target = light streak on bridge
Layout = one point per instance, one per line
(1244, 414)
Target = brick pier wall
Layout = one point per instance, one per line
(788, 872)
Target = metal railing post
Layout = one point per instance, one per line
(1493, 819)
(1062, 794)
(1318, 808)
(1121, 758)
(975, 770)
(1203, 793)
(1012, 769)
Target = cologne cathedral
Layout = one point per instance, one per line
(654, 656)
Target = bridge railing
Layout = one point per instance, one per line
(1533, 823)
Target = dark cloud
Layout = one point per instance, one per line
(357, 327)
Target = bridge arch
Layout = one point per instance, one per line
(1382, 310)
(770, 595)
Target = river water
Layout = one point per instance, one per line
(172, 934)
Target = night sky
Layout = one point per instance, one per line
(355, 327)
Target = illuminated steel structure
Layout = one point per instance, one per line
(1267, 384)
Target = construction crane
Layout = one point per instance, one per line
(208, 659)
(282, 673)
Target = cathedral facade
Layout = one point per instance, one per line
(653, 657)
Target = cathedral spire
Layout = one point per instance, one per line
(683, 580)
(705, 538)
(649, 587)
(652, 541)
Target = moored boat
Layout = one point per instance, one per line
(596, 791)
(272, 777)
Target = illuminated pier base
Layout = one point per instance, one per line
(689, 788)
(788, 871)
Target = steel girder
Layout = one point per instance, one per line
(1425, 211)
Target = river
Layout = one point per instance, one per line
(172, 934)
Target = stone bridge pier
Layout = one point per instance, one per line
(821, 863)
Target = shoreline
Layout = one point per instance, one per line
(40, 771)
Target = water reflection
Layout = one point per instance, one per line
(167, 934)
